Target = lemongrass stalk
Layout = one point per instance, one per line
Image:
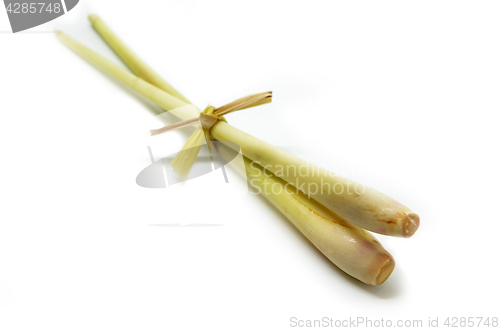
(185, 159)
(349, 247)
(133, 61)
(190, 143)
(149, 91)
(362, 206)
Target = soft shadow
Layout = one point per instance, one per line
(391, 289)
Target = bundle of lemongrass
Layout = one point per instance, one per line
(334, 222)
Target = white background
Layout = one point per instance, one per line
(399, 95)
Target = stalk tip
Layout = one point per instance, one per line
(410, 225)
(93, 17)
(59, 34)
(385, 271)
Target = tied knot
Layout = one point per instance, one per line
(208, 118)
(185, 159)
(212, 115)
